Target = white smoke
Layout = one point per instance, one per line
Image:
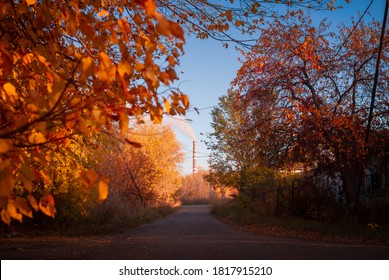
(181, 124)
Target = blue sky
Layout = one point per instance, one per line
(208, 68)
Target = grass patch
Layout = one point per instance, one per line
(246, 219)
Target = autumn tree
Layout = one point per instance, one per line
(70, 67)
(235, 21)
(195, 189)
(318, 94)
(76, 67)
(146, 173)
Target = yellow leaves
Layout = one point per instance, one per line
(5, 146)
(89, 177)
(9, 94)
(103, 190)
(30, 2)
(15, 208)
(47, 205)
(107, 70)
(22, 206)
(36, 137)
(103, 13)
(167, 105)
(156, 114)
(123, 122)
(98, 115)
(94, 60)
(124, 69)
(87, 66)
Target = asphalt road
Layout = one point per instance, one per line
(190, 233)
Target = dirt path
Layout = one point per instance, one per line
(190, 233)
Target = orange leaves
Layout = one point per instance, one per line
(148, 5)
(87, 66)
(103, 190)
(123, 123)
(229, 15)
(95, 65)
(90, 177)
(36, 138)
(5, 145)
(47, 205)
(167, 27)
(156, 114)
(9, 94)
(106, 70)
(30, 2)
(125, 69)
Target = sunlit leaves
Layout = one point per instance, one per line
(36, 137)
(106, 70)
(87, 66)
(146, 165)
(103, 191)
(4, 146)
(47, 205)
(125, 69)
(30, 2)
(71, 68)
(9, 94)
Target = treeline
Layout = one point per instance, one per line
(107, 182)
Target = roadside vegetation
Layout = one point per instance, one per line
(302, 134)
(141, 183)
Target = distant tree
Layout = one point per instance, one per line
(195, 189)
(148, 172)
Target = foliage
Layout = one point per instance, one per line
(147, 174)
(296, 227)
(76, 67)
(226, 21)
(305, 98)
(195, 189)
(70, 67)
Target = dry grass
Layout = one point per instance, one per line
(246, 219)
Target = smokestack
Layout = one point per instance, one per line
(194, 157)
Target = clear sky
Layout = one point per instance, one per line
(208, 68)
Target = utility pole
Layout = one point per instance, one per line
(376, 74)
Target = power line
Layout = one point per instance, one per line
(355, 26)
(197, 110)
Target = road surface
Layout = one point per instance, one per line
(189, 233)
